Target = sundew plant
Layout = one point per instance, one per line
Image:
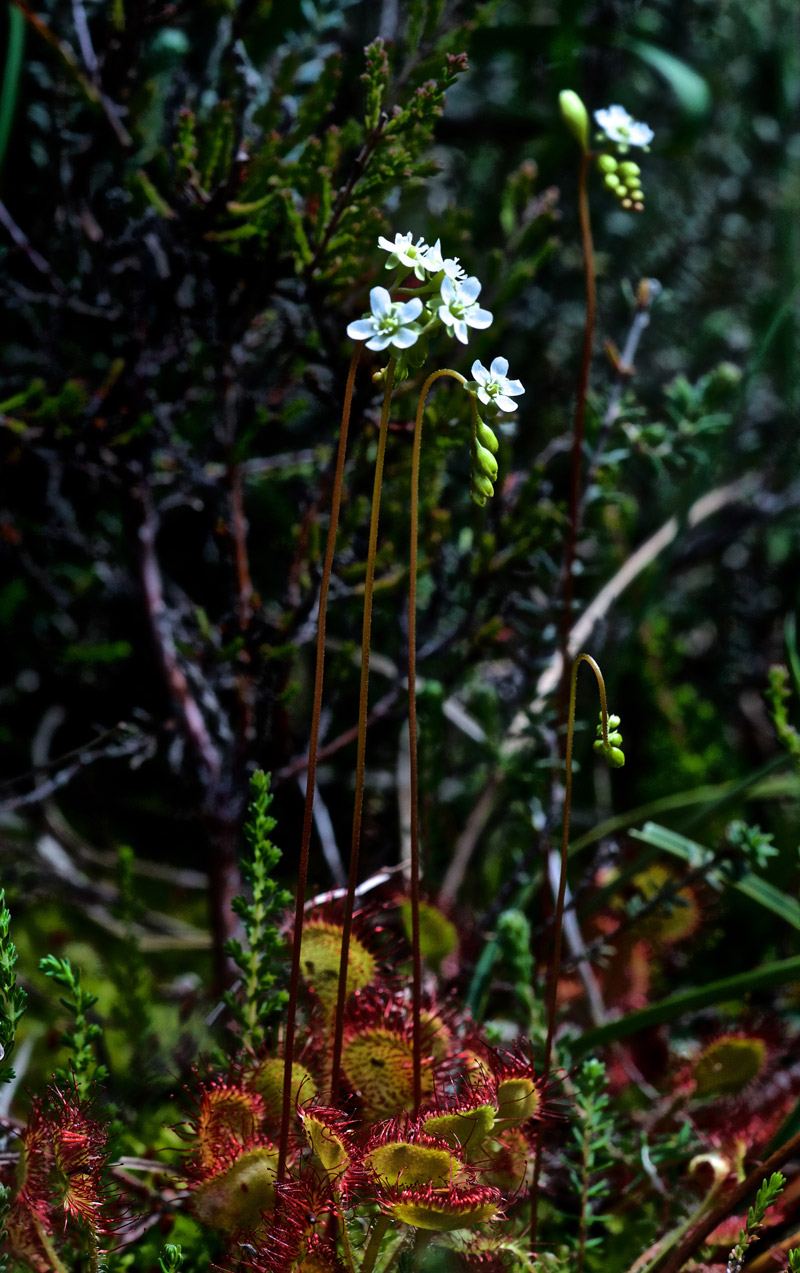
(343, 926)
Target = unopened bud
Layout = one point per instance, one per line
(607, 163)
(575, 116)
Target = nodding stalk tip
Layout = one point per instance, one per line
(575, 116)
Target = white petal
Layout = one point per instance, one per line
(461, 330)
(499, 366)
(504, 403)
(405, 338)
(449, 292)
(470, 288)
(445, 316)
(514, 387)
(479, 372)
(380, 302)
(479, 318)
(410, 310)
(484, 396)
(378, 342)
(641, 135)
(361, 329)
(385, 244)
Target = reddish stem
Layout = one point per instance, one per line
(412, 728)
(294, 979)
(361, 747)
(579, 420)
(555, 967)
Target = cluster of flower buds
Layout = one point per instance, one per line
(620, 175)
(623, 179)
(611, 749)
(618, 133)
(496, 393)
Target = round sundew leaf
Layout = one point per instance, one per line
(727, 1065)
(465, 1129)
(408, 1164)
(320, 955)
(443, 1210)
(378, 1064)
(267, 1080)
(507, 1161)
(438, 936)
(228, 1118)
(517, 1099)
(435, 1037)
(235, 1198)
(329, 1148)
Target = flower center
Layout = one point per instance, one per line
(389, 323)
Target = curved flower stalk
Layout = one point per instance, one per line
(609, 745)
(623, 179)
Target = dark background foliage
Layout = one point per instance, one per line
(190, 222)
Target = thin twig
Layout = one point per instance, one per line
(177, 684)
(23, 243)
(70, 61)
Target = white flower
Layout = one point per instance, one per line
(389, 323)
(404, 250)
(460, 309)
(494, 385)
(619, 126)
(435, 262)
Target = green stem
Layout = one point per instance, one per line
(579, 420)
(294, 979)
(347, 1247)
(44, 1238)
(377, 1234)
(582, 1223)
(11, 73)
(412, 720)
(361, 746)
(555, 967)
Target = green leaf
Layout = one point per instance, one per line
(752, 886)
(691, 89)
(779, 972)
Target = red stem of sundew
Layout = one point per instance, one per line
(579, 420)
(294, 979)
(555, 967)
(361, 746)
(412, 728)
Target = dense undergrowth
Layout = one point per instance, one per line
(582, 1060)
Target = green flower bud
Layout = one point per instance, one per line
(481, 483)
(611, 749)
(486, 437)
(637, 195)
(611, 182)
(607, 163)
(629, 169)
(575, 116)
(632, 182)
(485, 461)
